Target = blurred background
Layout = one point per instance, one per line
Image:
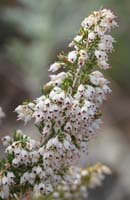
(31, 34)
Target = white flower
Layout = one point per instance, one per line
(42, 175)
(90, 108)
(91, 36)
(100, 55)
(49, 188)
(31, 105)
(57, 79)
(15, 162)
(9, 149)
(24, 154)
(54, 67)
(4, 192)
(17, 152)
(106, 170)
(11, 177)
(56, 179)
(34, 156)
(81, 88)
(32, 176)
(98, 30)
(81, 61)
(101, 46)
(24, 113)
(46, 130)
(20, 133)
(78, 38)
(57, 94)
(84, 173)
(97, 74)
(67, 144)
(72, 56)
(37, 170)
(108, 20)
(88, 22)
(106, 43)
(83, 54)
(67, 102)
(33, 144)
(106, 89)
(80, 92)
(6, 140)
(56, 195)
(103, 64)
(41, 188)
(54, 142)
(40, 105)
(40, 99)
(89, 93)
(36, 190)
(25, 178)
(97, 79)
(5, 180)
(94, 80)
(68, 127)
(96, 180)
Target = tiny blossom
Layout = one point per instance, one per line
(103, 64)
(6, 140)
(72, 56)
(101, 55)
(91, 36)
(54, 67)
(88, 22)
(57, 79)
(78, 38)
(24, 113)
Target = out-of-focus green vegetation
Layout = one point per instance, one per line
(44, 27)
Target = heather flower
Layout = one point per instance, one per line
(88, 178)
(54, 67)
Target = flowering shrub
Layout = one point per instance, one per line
(67, 115)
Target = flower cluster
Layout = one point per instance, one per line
(6, 181)
(88, 178)
(68, 113)
(21, 153)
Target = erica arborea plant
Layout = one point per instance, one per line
(67, 114)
